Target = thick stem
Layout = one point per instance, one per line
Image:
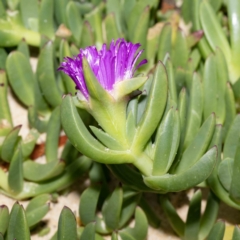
(144, 164)
(112, 118)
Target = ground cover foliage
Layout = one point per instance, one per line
(166, 125)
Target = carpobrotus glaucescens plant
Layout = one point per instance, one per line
(144, 132)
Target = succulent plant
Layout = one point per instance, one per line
(143, 136)
(19, 222)
(221, 30)
(196, 226)
(161, 126)
(218, 232)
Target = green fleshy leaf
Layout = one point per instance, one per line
(95, 20)
(37, 209)
(53, 133)
(165, 41)
(101, 227)
(213, 180)
(29, 142)
(114, 11)
(36, 172)
(203, 44)
(60, 11)
(106, 139)
(171, 81)
(225, 170)
(140, 30)
(236, 233)
(234, 188)
(23, 48)
(193, 217)
(126, 236)
(84, 7)
(2, 10)
(4, 218)
(154, 108)
(214, 83)
(112, 209)
(196, 58)
(152, 44)
(231, 141)
(128, 208)
(29, 13)
(74, 21)
(3, 58)
(46, 23)
(179, 50)
(5, 114)
(182, 108)
(194, 117)
(69, 153)
(87, 37)
(167, 141)
(123, 88)
(111, 28)
(18, 226)
(216, 4)
(187, 11)
(114, 236)
(130, 126)
(67, 226)
(88, 204)
(80, 231)
(23, 81)
(213, 30)
(139, 231)
(9, 144)
(178, 182)
(181, 79)
(138, 106)
(21, 77)
(46, 76)
(230, 109)
(97, 174)
(134, 12)
(233, 8)
(191, 155)
(217, 231)
(209, 216)
(13, 4)
(15, 175)
(88, 232)
(175, 221)
(35, 121)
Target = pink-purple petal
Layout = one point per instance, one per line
(144, 61)
(109, 65)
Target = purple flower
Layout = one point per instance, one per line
(109, 65)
